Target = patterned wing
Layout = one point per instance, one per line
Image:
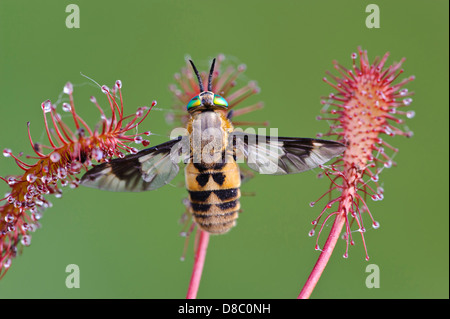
(146, 170)
(283, 155)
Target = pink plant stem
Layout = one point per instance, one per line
(199, 262)
(325, 255)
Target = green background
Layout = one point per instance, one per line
(128, 245)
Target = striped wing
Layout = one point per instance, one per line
(146, 170)
(284, 155)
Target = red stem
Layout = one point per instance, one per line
(325, 255)
(199, 262)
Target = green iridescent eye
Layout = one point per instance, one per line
(220, 101)
(194, 102)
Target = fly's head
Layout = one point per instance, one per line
(206, 100)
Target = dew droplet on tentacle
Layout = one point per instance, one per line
(97, 154)
(68, 88)
(26, 240)
(31, 178)
(7, 263)
(12, 181)
(407, 101)
(105, 89)
(55, 157)
(66, 107)
(410, 114)
(46, 106)
(9, 218)
(7, 152)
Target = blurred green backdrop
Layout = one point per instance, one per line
(127, 245)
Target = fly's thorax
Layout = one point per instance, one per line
(209, 132)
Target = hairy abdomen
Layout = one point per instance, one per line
(214, 194)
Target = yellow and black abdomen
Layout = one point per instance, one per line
(214, 194)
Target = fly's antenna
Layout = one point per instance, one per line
(211, 71)
(200, 83)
